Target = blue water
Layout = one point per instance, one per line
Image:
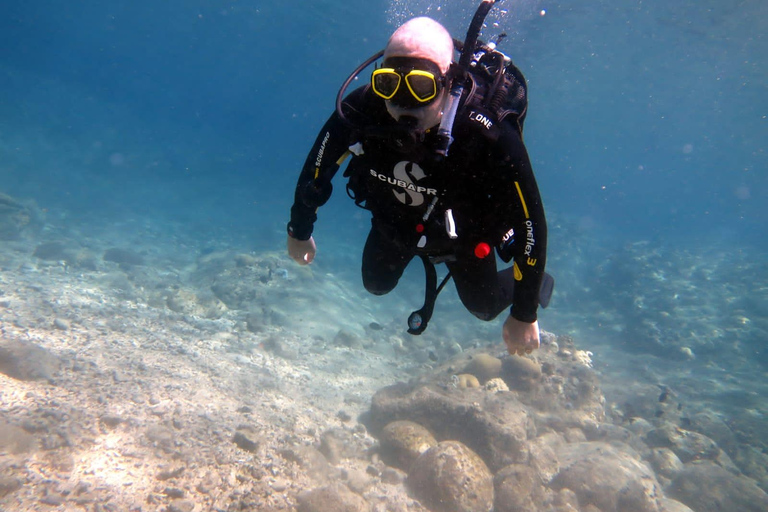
(647, 129)
(646, 119)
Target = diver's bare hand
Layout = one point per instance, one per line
(302, 251)
(520, 337)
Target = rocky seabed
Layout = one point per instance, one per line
(226, 381)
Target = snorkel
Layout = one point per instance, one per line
(444, 133)
(458, 76)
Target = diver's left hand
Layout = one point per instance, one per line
(520, 337)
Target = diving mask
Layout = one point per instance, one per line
(408, 82)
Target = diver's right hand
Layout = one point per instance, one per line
(521, 337)
(302, 251)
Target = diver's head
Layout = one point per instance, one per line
(412, 77)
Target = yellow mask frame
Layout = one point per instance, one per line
(414, 80)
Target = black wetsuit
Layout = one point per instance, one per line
(486, 182)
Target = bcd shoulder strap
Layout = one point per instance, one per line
(495, 96)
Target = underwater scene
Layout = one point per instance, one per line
(161, 351)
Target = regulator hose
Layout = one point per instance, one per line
(445, 132)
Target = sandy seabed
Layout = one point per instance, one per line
(127, 404)
(139, 371)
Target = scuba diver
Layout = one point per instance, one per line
(438, 159)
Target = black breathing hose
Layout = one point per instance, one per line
(345, 85)
(445, 132)
(473, 32)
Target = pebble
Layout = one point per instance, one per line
(173, 492)
(168, 474)
(358, 481)
(61, 324)
(111, 421)
(9, 485)
(392, 476)
(278, 486)
(53, 500)
(244, 442)
(181, 506)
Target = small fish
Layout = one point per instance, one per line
(664, 394)
(375, 326)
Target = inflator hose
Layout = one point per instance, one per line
(445, 132)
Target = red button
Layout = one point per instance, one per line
(419, 228)
(482, 250)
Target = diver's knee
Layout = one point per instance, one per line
(378, 286)
(378, 291)
(486, 316)
(483, 309)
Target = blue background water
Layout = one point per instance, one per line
(647, 122)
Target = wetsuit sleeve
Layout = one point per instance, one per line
(316, 175)
(522, 225)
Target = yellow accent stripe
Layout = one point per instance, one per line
(518, 274)
(522, 200)
(343, 157)
(338, 162)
